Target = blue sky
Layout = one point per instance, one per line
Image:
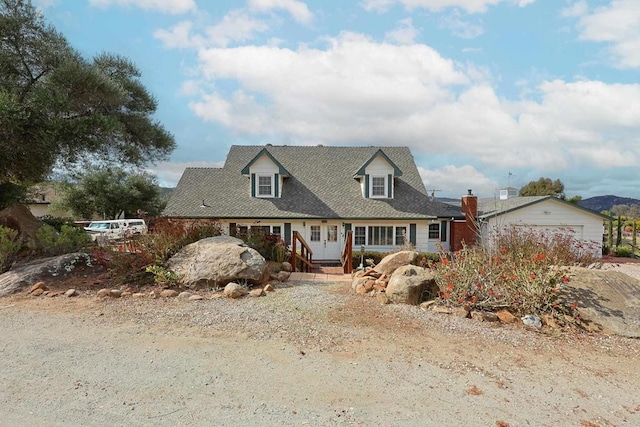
(486, 93)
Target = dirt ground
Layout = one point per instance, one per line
(306, 354)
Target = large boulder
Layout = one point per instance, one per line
(216, 261)
(407, 284)
(27, 274)
(393, 261)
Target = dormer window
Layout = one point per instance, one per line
(377, 176)
(266, 175)
(378, 186)
(265, 185)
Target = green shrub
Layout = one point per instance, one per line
(56, 222)
(68, 239)
(9, 247)
(163, 277)
(374, 256)
(270, 246)
(624, 251)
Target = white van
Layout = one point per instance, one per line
(116, 228)
(134, 226)
(111, 230)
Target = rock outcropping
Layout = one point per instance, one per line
(216, 261)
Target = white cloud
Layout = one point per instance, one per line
(297, 9)
(454, 181)
(617, 24)
(165, 6)
(470, 6)
(234, 27)
(404, 33)
(459, 27)
(577, 9)
(357, 91)
(177, 37)
(347, 86)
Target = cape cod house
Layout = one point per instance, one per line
(371, 197)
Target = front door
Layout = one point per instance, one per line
(324, 240)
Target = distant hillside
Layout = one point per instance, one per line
(605, 203)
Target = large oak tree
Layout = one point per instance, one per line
(60, 110)
(543, 187)
(110, 191)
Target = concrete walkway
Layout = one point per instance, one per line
(321, 274)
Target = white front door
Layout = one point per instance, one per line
(324, 240)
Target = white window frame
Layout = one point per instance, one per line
(391, 237)
(312, 233)
(367, 237)
(257, 184)
(429, 231)
(404, 235)
(386, 187)
(363, 236)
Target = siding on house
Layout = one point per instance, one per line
(423, 242)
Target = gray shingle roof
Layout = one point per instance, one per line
(321, 186)
(488, 208)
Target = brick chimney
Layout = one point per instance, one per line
(470, 210)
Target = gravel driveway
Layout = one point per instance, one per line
(307, 354)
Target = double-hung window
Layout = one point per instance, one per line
(401, 236)
(360, 236)
(265, 186)
(434, 231)
(378, 186)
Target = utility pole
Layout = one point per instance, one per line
(433, 193)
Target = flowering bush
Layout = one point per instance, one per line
(522, 271)
(168, 237)
(143, 263)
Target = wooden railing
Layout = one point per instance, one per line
(305, 255)
(346, 258)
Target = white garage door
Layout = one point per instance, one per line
(576, 231)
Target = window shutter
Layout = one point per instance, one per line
(287, 233)
(253, 185)
(366, 186)
(390, 186)
(276, 185)
(412, 234)
(443, 231)
(232, 229)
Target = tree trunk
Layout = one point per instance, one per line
(619, 234)
(610, 236)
